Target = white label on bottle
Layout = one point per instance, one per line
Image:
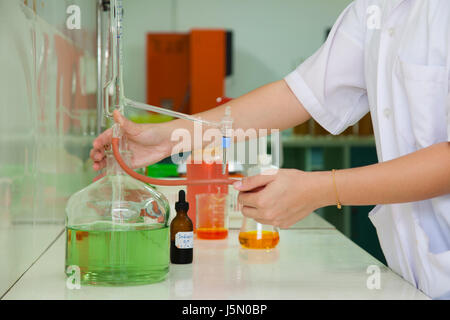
(184, 240)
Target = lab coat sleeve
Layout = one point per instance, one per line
(331, 83)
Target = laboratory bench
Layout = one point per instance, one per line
(312, 261)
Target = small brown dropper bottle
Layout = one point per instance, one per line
(181, 233)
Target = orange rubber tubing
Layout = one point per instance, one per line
(161, 182)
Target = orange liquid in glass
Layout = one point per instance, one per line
(259, 240)
(212, 233)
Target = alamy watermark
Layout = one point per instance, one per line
(73, 281)
(374, 279)
(374, 14)
(73, 21)
(207, 146)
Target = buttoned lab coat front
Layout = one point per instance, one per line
(392, 58)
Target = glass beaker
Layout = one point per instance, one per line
(199, 171)
(254, 235)
(117, 231)
(212, 215)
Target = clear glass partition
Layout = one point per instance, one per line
(48, 119)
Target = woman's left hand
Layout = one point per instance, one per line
(285, 196)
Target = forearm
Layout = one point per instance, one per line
(272, 106)
(418, 176)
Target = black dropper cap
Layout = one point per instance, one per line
(182, 205)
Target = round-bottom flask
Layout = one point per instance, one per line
(117, 231)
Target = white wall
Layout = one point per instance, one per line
(271, 36)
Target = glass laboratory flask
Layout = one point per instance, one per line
(117, 231)
(254, 235)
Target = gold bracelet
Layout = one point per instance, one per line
(338, 203)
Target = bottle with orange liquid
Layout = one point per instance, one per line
(254, 235)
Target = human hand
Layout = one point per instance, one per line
(149, 143)
(284, 197)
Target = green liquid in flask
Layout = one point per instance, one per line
(118, 254)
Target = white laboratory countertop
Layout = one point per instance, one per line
(21, 244)
(316, 263)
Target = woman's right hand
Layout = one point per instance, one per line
(149, 143)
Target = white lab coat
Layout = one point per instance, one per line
(391, 57)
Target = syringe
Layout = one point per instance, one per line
(227, 133)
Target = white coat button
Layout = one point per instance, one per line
(391, 32)
(387, 112)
